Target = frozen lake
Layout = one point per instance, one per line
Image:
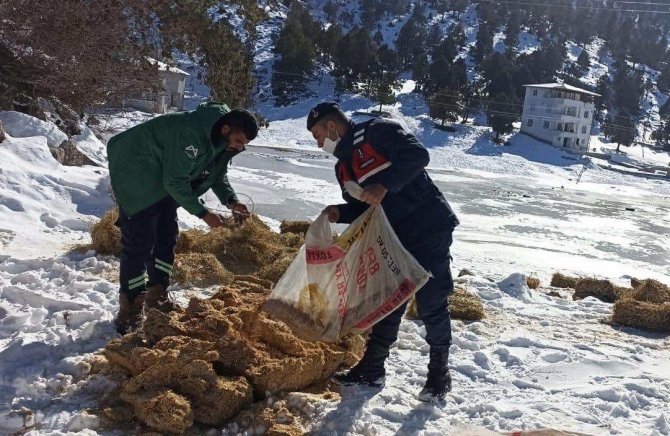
(507, 223)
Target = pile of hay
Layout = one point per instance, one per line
(200, 269)
(603, 290)
(559, 280)
(463, 305)
(298, 227)
(650, 291)
(105, 236)
(646, 307)
(251, 248)
(211, 361)
(533, 282)
(242, 249)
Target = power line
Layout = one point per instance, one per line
(519, 3)
(500, 112)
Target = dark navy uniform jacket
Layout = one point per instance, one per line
(381, 151)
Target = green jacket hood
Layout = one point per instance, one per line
(208, 113)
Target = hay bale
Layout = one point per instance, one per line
(634, 283)
(200, 269)
(105, 235)
(463, 305)
(642, 315)
(603, 290)
(466, 306)
(559, 280)
(533, 282)
(650, 291)
(299, 227)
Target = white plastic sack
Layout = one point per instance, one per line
(337, 286)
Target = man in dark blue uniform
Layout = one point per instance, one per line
(378, 163)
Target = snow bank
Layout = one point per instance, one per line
(45, 207)
(20, 125)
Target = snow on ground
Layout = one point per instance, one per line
(536, 361)
(635, 154)
(45, 207)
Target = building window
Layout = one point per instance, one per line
(534, 92)
(577, 141)
(530, 122)
(546, 124)
(532, 107)
(584, 129)
(586, 114)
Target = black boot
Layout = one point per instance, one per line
(439, 381)
(130, 312)
(368, 371)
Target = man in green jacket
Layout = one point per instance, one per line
(156, 167)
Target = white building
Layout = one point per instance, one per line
(172, 95)
(559, 114)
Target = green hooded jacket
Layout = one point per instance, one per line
(172, 154)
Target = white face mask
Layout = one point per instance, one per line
(329, 145)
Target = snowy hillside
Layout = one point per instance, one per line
(539, 359)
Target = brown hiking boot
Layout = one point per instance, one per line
(157, 298)
(130, 313)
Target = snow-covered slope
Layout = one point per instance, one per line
(45, 207)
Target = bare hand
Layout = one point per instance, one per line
(374, 194)
(240, 212)
(333, 213)
(212, 220)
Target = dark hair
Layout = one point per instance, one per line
(337, 117)
(326, 111)
(241, 119)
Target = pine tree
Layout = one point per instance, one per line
(420, 70)
(329, 41)
(378, 38)
(411, 37)
(330, 8)
(584, 61)
(434, 35)
(368, 12)
(628, 89)
(500, 114)
(473, 94)
(620, 128)
(603, 88)
(297, 48)
(384, 85)
(664, 80)
(445, 105)
(512, 30)
(484, 42)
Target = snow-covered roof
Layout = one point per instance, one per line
(562, 87)
(162, 66)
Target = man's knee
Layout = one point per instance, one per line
(432, 301)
